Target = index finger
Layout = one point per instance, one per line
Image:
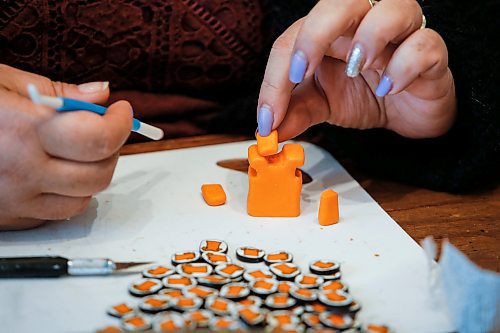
(276, 87)
(84, 136)
(327, 21)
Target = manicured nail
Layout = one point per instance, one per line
(298, 67)
(92, 87)
(384, 86)
(354, 62)
(265, 120)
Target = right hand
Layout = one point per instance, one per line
(399, 76)
(52, 163)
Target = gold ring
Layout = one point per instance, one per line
(424, 22)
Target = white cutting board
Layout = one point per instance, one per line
(154, 207)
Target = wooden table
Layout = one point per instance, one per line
(470, 222)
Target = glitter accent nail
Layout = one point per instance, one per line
(354, 62)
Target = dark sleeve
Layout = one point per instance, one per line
(467, 158)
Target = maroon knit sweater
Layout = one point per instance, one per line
(175, 60)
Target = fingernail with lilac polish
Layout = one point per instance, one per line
(298, 67)
(355, 61)
(265, 120)
(384, 86)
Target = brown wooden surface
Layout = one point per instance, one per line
(470, 222)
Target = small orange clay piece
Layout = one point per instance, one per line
(230, 269)
(145, 286)
(258, 275)
(219, 305)
(283, 319)
(250, 252)
(314, 319)
(328, 212)
(182, 280)
(174, 293)
(334, 286)
(286, 269)
(155, 302)
(248, 313)
(275, 182)
(200, 292)
(213, 194)
(191, 269)
(159, 270)
(267, 145)
(185, 302)
(284, 287)
(198, 316)
(278, 256)
(168, 325)
(304, 292)
(235, 290)
(308, 280)
(322, 264)
(216, 257)
(122, 308)
(336, 319)
(281, 299)
(135, 321)
(185, 256)
(333, 296)
(214, 278)
(318, 307)
(212, 245)
(263, 284)
(247, 302)
(223, 323)
(110, 329)
(378, 328)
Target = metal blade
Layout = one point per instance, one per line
(120, 266)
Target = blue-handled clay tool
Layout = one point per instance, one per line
(64, 104)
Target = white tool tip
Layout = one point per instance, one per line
(34, 94)
(151, 132)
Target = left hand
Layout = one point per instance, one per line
(404, 83)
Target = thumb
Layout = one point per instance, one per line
(308, 106)
(18, 80)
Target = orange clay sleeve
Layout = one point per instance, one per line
(267, 145)
(328, 213)
(213, 194)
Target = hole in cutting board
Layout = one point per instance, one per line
(241, 164)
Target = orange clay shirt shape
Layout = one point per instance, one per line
(267, 145)
(213, 194)
(328, 212)
(275, 182)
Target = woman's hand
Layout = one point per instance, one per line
(51, 164)
(355, 66)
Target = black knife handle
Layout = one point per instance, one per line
(22, 267)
